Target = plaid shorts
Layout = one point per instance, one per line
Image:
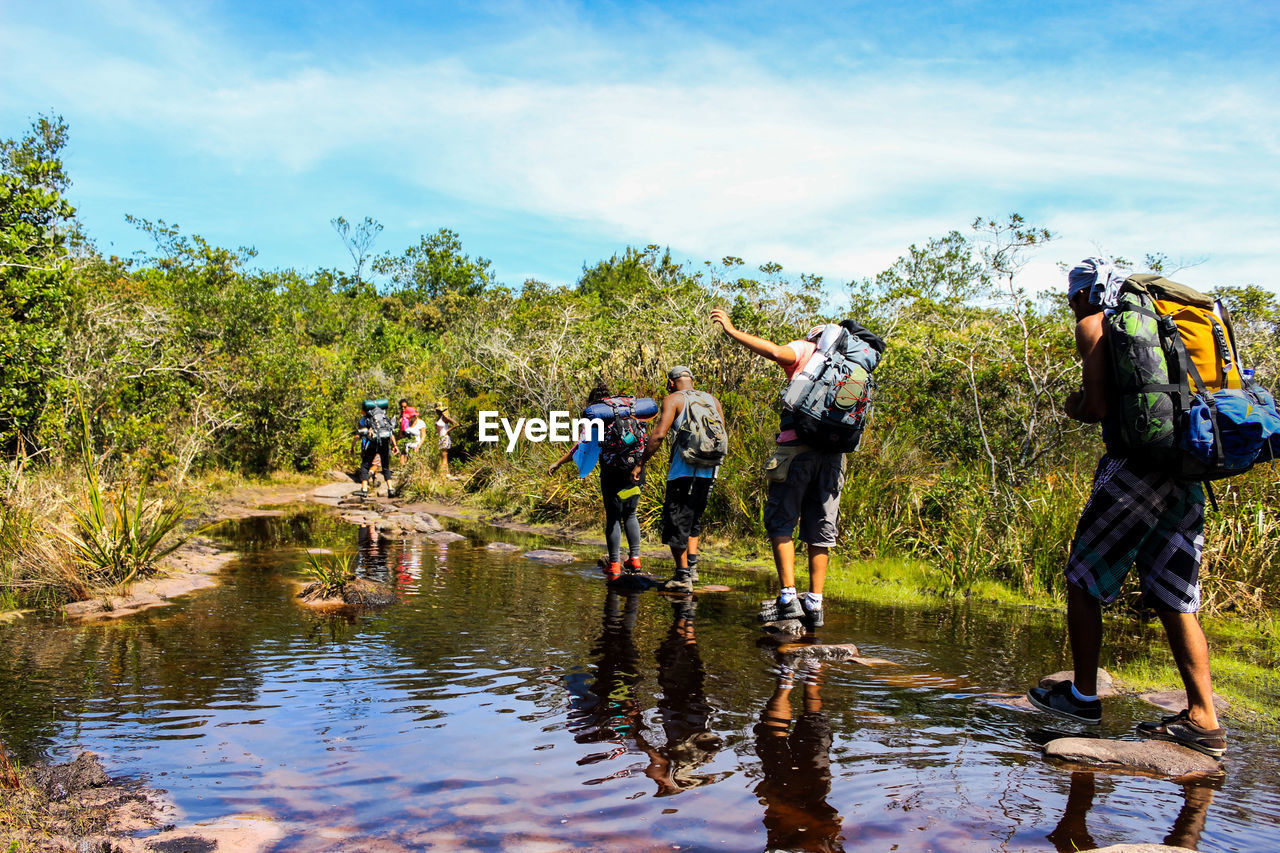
(1143, 517)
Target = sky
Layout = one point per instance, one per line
(824, 137)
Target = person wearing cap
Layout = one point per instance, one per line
(688, 486)
(444, 423)
(804, 488)
(1133, 515)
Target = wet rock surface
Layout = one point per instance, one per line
(444, 537)
(1148, 757)
(550, 555)
(502, 547)
(1174, 701)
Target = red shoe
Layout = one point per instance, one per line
(612, 571)
(632, 565)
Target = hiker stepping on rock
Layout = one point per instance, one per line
(1139, 514)
(699, 446)
(826, 404)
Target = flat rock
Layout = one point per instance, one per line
(787, 627)
(425, 522)
(1176, 700)
(712, 587)
(504, 547)
(637, 581)
(1138, 848)
(804, 651)
(550, 555)
(339, 476)
(1106, 684)
(1149, 757)
(334, 490)
(442, 537)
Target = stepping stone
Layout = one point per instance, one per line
(425, 522)
(550, 555)
(803, 651)
(505, 547)
(335, 490)
(1147, 757)
(445, 536)
(1174, 701)
(339, 476)
(712, 587)
(1106, 684)
(637, 581)
(784, 627)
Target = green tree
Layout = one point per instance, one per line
(35, 229)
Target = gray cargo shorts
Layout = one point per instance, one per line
(810, 494)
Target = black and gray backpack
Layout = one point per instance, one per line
(830, 399)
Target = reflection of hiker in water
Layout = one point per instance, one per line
(371, 554)
(797, 768)
(682, 707)
(606, 710)
(619, 487)
(1072, 833)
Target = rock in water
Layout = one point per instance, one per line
(1151, 757)
(445, 536)
(359, 592)
(504, 547)
(550, 555)
(786, 627)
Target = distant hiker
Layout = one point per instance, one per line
(700, 445)
(412, 429)
(824, 412)
(1135, 514)
(620, 485)
(377, 440)
(444, 423)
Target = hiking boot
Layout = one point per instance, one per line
(812, 612)
(1179, 729)
(1059, 700)
(612, 571)
(681, 581)
(632, 565)
(773, 610)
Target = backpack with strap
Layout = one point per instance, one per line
(624, 436)
(830, 399)
(380, 426)
(1185, 405)
(702, 440)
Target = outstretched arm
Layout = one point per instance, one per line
(782, 354)
(555, 466)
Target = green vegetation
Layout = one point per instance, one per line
(329, 572)
(192, 364)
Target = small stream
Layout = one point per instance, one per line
(505, 704)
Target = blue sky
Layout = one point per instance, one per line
(825, 137)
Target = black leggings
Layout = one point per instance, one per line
(620, 513)
(371, 450)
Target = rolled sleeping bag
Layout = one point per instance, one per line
(641, 408)
(376, 404)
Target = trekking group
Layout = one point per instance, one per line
(376, 432)
(1160, 371)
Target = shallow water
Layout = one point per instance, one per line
(505, 704)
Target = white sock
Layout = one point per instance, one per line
(814, 598)
(1080, 697)
(787, 595)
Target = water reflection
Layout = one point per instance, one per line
(796, 761)
(607, 710)
(1072, 832)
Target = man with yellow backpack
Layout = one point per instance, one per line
(1161, 371)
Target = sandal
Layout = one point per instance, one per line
(1179, 729)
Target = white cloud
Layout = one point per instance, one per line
(715, 154)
